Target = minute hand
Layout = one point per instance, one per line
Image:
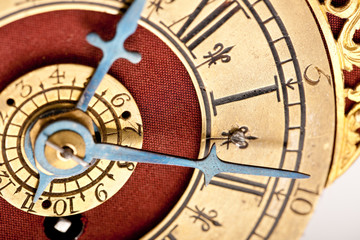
(210, 166)
(112, 50)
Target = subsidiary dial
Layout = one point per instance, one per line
(49, 94)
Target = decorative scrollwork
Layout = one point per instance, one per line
(238, 136)
(348, 140)
(157, 5)
(220, 54)
(350, 149)
(349, 51)
(207, 220)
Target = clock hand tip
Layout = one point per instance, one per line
(294, 175)
(44, 181)
(303, 176)
(249, 169)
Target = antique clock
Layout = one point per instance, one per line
(253, 101)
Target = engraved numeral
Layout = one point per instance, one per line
(71, 204)
(28, 204)
(320, 73)
(302, 204)
(101, 195)
(239, 184)
(119, 99)
(208, 25)
(60, 206)
(26, 89)
(57, 75)
(245, 95)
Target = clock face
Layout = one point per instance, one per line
(243, 75)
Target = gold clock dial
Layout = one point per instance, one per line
(265, 87)
(257, 70)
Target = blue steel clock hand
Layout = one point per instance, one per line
(112, 50)
(210, 166)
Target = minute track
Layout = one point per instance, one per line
(280, 62)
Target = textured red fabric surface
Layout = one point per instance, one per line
(167, 102)
(166, 99)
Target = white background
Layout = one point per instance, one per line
(337, 215)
